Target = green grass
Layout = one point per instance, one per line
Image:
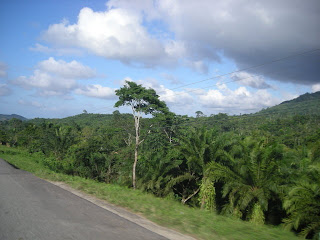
(166, 212)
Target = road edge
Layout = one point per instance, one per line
(137, 219)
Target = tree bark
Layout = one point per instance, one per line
(184, 200)
(134, 167)
(137, 126)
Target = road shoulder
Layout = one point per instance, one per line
(139, 220)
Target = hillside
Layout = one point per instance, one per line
(4, 117)
(306, 104)
(181, 159)
(84, 119)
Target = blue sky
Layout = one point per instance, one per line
(58, 58)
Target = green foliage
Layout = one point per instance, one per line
(306, 104)
(303, 203)
(157, 171)
(139, 98)
(165, 212)
(257, 215)
(207, 195)
(250, 175)
(258, 167)
(4, 117)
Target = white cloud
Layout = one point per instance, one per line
(41, 48)
(197, 33)
(171, 97)
(175, 49)
(250, 33)
(175, 98)
(222, 99)
(251, 80)
(52, 78)
(198, 66)
(73, 69)
(315, 87)
(116, 34)
(237, 101)
(47, 84)
(3, 70)
(247, 32)
(96, 91)
(4, 90)
(146, 6)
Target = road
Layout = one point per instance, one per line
(31, 208)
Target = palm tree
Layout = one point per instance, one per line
(249, 174)
(199, 148)
(193, 148)
(303, 204)
(157, 169)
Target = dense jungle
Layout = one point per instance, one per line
(262, 167)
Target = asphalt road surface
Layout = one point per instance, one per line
(31, 208)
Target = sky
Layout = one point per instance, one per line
(59, 58)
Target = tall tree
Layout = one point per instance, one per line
(142, 101)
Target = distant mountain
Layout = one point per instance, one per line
(306, 104)
(4, 117)
(84, 119)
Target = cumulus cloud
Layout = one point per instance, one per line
(198, 66)
(236, 101)
(171, 97)
(251, 80)
(52, 78)
(316, 87)
(175, 98)
(3, 70)
(198, 33)
(248, 32)
(251, 33)
(73, 69)
(96, 91)
(46, 84)
(222, 99)
(117, 33)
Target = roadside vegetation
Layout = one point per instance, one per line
(167, 212)
(215, 176)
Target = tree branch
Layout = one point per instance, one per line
(190, 196)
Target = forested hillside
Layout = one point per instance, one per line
(306, 104)
(262, 168)
(4, 117)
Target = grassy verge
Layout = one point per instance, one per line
(166, 212)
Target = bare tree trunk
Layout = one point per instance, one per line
(134, 167)
(137, 126)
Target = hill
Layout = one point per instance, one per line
(84, 119)
(4, 117)
(306, 104)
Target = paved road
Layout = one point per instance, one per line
(31, 208)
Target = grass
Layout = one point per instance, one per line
(166, 212)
